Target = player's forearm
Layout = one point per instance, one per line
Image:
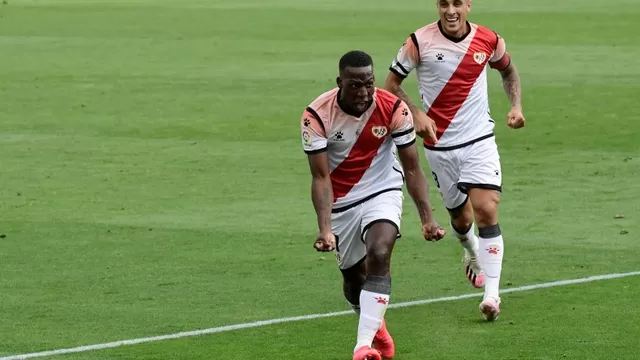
(513, 88)
(398, 91)
(402, 95)
(322, 197)
(418, 189)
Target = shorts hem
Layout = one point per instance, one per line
(464, 187)
(461, 206)
(358, 263)
(369, 225)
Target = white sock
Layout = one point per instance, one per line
(372, 309)
(469, 240)
(491, 252)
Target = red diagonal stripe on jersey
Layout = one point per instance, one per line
(455, 92)
(346, 175)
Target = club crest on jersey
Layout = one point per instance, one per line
(379, 131)
(480, 57)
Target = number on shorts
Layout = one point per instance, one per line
(435, 178)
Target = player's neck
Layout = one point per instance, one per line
(457, 37)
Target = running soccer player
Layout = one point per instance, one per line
(352, 135)
(450, 57)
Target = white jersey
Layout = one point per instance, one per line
(361, 150)
(452, 80)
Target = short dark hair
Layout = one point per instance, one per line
(355, 58)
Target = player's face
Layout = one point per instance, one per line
(453, 15)
(358, 86)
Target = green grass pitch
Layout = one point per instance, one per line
(152, 180)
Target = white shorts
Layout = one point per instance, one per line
(350, 226)
(456, 171)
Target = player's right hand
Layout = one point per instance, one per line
(325, 242)
(515, 119)
(432, 231)
(425, 126)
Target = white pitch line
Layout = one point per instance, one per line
(304, 317)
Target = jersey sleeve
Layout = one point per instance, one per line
(314, 139)
(500, 59)
(402, 130)
(407, 58)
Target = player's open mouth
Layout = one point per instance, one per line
(362, 105)
(452, 20)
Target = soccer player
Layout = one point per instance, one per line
(450, 57)
(353, 135)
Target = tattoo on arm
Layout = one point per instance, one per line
(402, 95)
(396, 89)
(512, 86)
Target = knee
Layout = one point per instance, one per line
(486, 209)
(380, 239)
(378, 260)
(487, 214)
(378, 256)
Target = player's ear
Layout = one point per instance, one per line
(339, 82)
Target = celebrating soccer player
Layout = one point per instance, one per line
(450, 58)
(352, 135)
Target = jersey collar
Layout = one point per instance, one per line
(452, 38)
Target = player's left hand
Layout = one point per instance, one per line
(515, 119)
(432, 231)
